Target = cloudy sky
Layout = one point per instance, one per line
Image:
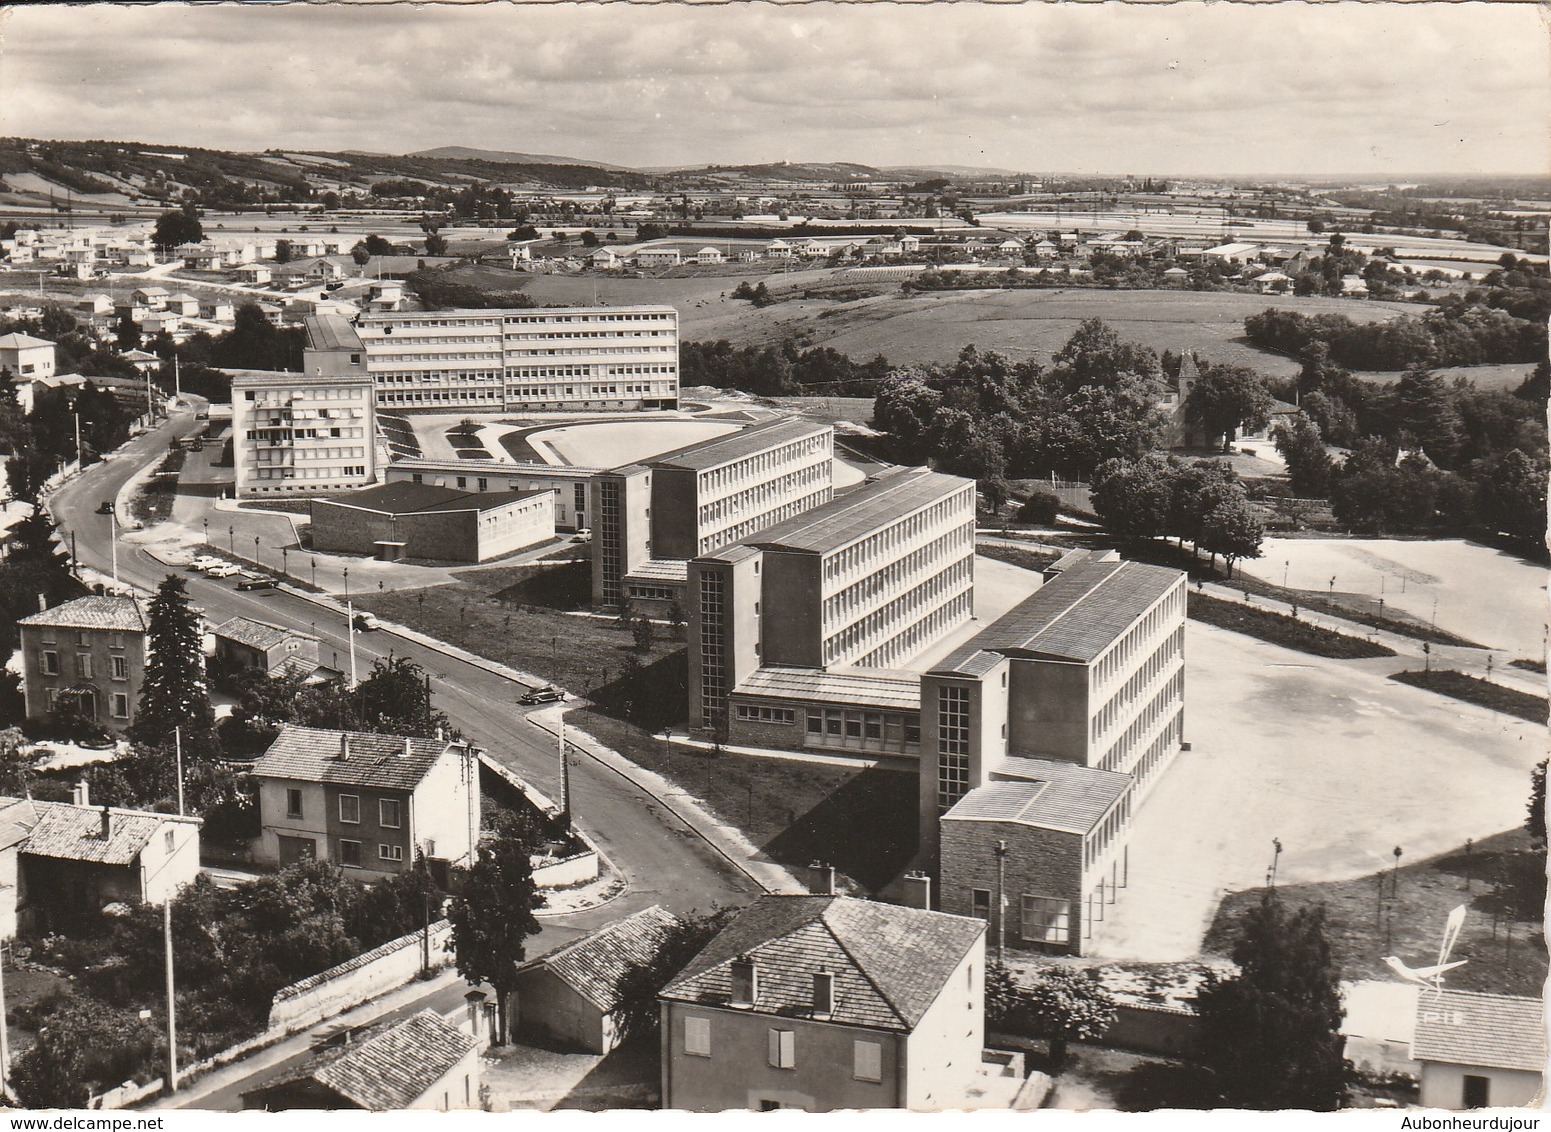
(1367, 88)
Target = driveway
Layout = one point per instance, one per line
(1339, 763)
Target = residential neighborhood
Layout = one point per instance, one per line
(881, 615)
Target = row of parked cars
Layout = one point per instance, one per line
(220, 568)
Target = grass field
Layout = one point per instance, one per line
(1474, 690)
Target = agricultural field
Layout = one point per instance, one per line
(1506, 377)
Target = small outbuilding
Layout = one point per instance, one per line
(419, 520)
(1479, 1050)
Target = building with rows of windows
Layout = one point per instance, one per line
(1041, 736)
(302, 434)
(559, 360)
(650, 519)
(796, 632)
(85, 657)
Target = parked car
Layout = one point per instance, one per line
(256, 582)
(224, 570)
(366, 623)
(105, 507)
(205, 561)
(549, 695)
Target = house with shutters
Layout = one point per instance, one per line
(243, 644)
(367, 802)
(827, 1002)
(571, 995)
(89, 654)
(1479, 1050)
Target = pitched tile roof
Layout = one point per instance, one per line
(384, 762)
(256, 634)
(1498, 1031)
(1074, 616)
(595, 964)
(74, 833)
(392, 1066)
(889, 963)
(107, 611)
(1045, 794)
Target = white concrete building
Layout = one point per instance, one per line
(302, 434)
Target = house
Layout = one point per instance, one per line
(778, 249)
(1271, 283)
(570, 995)
(153, 297)
(254, 273)
(1479, 1050)
(218, 310)
(161, 322)
(26, 357)
(243, 645)
(94, 306)
(204, 259)
(659, 257)
(910, 244)
(1175, 275)
(421, 1062)
(370, 803)
(1233, 253)
(142, 360)
(1354, 286)
(78, 858)
(1010, 246)
(708, 255)
(88, 654)
(183, 304)
(1045, 249)
(826, 1002)
(604, 257)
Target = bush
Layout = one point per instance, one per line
(1041, 508)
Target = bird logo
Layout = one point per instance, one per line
(1432, 977)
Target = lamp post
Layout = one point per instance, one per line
(256, 561)
(346, 573)
(231, 539)
(206, 523)
(1394, 888)
(314, 573)
(285, 561)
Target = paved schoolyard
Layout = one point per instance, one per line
(1338, 762)
(1483, 594)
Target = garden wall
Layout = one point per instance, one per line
(356, 980)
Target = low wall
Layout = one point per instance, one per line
(356, 980)
(576, 869)
(1169, 1031)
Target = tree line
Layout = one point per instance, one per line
(1203, 502)
(778, 371)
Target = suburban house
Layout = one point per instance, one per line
(826, 1002)
(153, 297)
(254, 273)
(243, 644)
(659, 257)
(570, 995)
(25, 356)
(1479, 1050)
(89, 652)
(365, 801)
(183, 304)
(80, 858)
(421, 1062)
(605, 257)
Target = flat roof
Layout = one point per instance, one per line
(886, 497)
(721, 450)
(1074, 616)
(867, 687)
(501, 312)
(1045, 794)
(280, 379)
(407, 497)
(490, 467)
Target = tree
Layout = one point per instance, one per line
(179, 226)
(638, 1015)
(1134, 499)
(15, 764)
(1233, 530)
(1060, 1005)
(361, 254)
(1041, 507)
(1226, 398)
(1535, 821)
(589, 239)
(282, 251)
(493, 912)
(1425, 408)
(644, 633)
(376, 245)
(175, 693)
(1303, 450)
(1271, 1034)
(395, 699)
(1511, 495)
(52, 1072)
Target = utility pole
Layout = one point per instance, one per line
(1001, 899)
(565, 775)
(113, 542)
(350, 629)
(177, 378)
(172, 1022)
(5, 1041)
(77, 441)
(177, 739)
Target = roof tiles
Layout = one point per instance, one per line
(1497, 1031)
(596, 964)
(106, 611)
(383, 762)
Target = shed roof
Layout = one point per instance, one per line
(257, 634)
(68, 832)
(1044, 793)
(1498, 1031)
(889, 963)
(392, 1066)
(312, 754)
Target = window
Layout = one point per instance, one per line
(120, 705)
(83, 665)
(1046, 919)
(388, 813)
(169, 841)
(121, 668)
(1477, 1091)
(867, 1061)
(697, 1037)
(390, 852)
(783, 1049)
(49, 662)
(293, 803)
(350, 808)
(350, 853)
(980, 903)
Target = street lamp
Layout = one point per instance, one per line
(314, 573)
(1394, 887)
(346, 573)
(206, 522)
(285, 561)
(231, 538)
(256, 561)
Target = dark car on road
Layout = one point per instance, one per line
(543, 696)
(256, 582)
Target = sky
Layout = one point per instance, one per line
(1148, 89)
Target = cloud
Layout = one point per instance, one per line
(1225, 87)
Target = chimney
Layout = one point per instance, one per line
(344, 746)
(42, 603)
(821, 879)
(917, 891)
(107, 823)
(823, 992)
(408, 746)
(745, 982)
(81, 794)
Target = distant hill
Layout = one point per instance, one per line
(507, 157)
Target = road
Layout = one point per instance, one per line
(664, 861)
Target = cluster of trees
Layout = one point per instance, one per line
(234, 948)
(775, 371)
(178, 226)
(760, 296)
(988, 417)
(253, 342)
(435, 288)
(1163, 497)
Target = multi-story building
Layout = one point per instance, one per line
(365, 801)
(789, 626)
(90, 652)
(1043, 734)
(652, 517)
(826, 1002)
(302, 434)
(25, 358)
(571, 359)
